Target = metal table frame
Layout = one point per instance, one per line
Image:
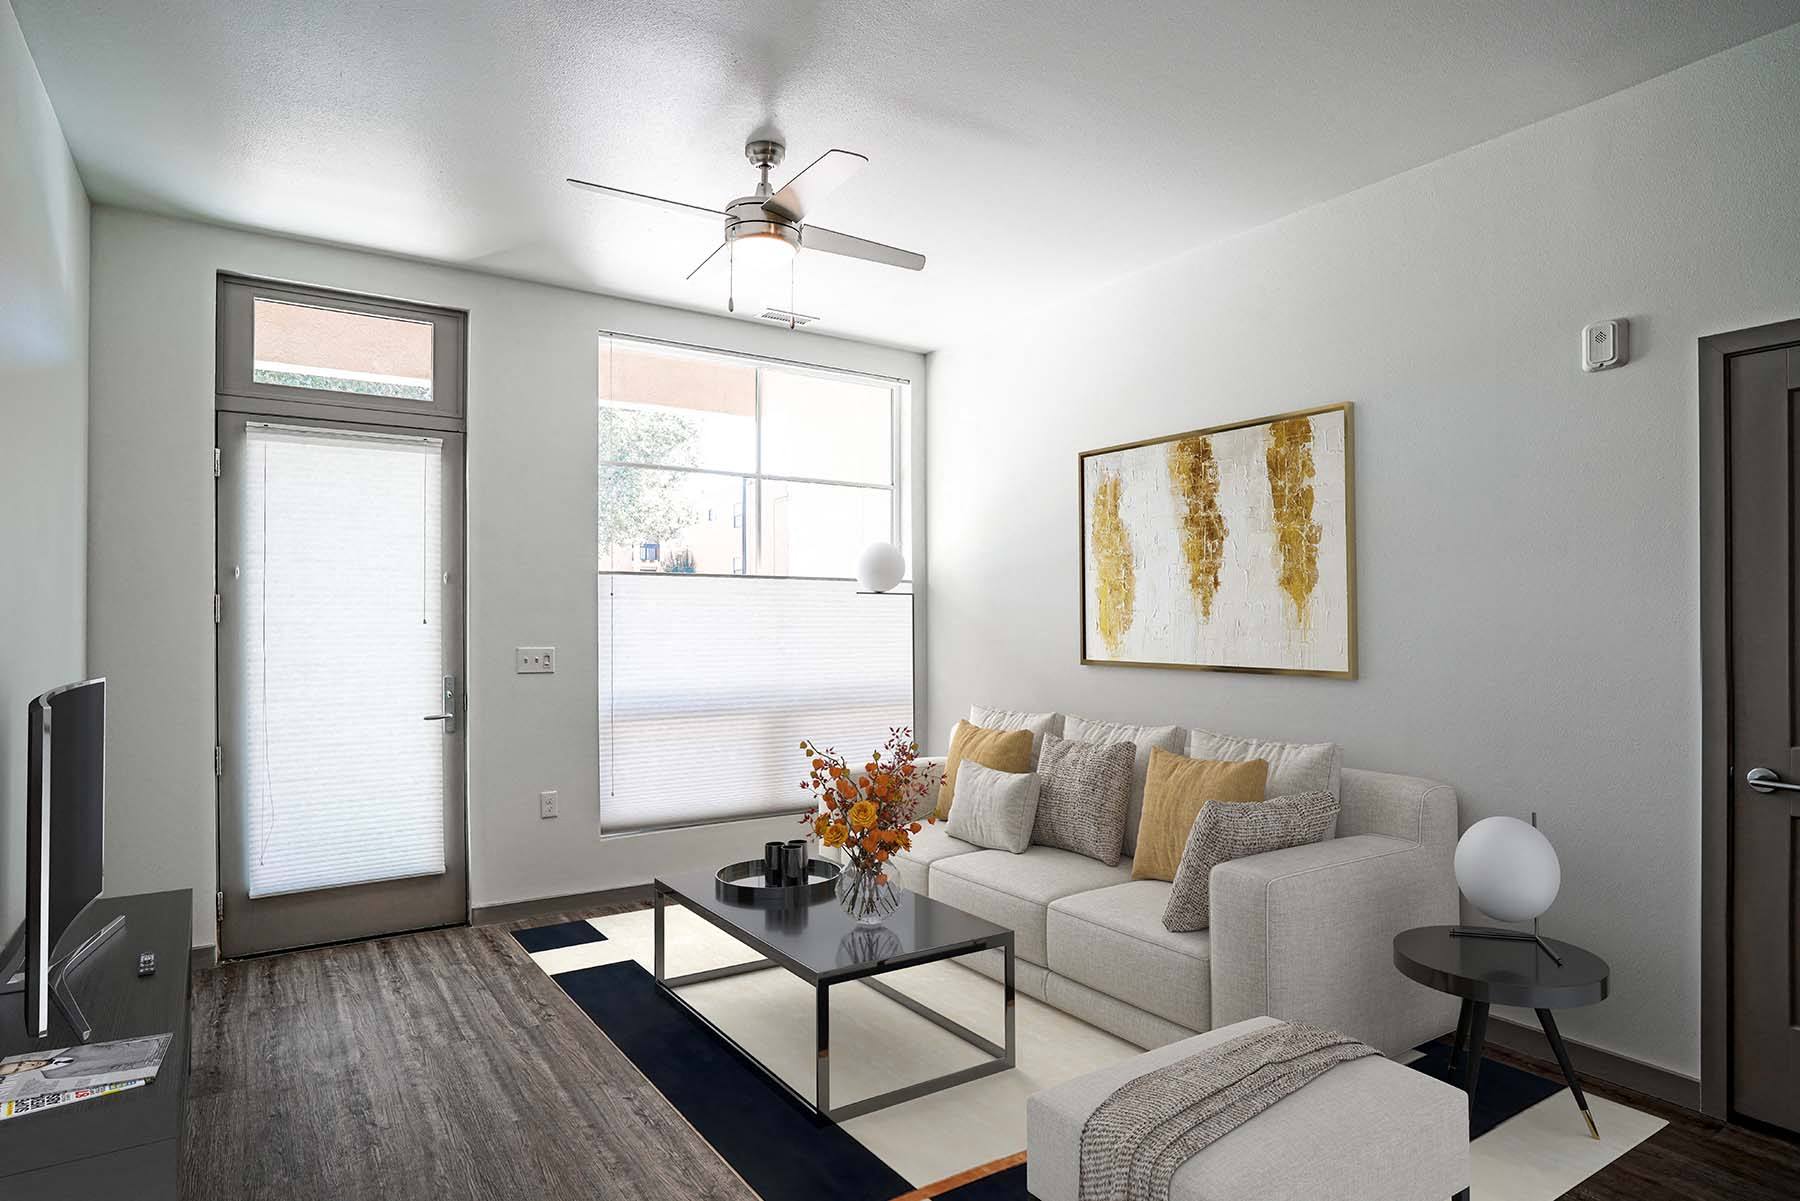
(1003, 1057)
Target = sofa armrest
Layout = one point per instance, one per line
(1307, 934)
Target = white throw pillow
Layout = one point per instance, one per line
(1294, 767)
(1011, 719)
(994, 809)
(1146, 739)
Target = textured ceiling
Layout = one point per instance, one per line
(1030, 150)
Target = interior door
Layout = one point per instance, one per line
(1763, 448)
(340, 661)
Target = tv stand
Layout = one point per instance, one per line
(60, 992)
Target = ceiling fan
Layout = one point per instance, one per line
(765, 230)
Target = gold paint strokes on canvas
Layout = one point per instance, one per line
(1290, 463)
(1195, 474)
(1114, 580)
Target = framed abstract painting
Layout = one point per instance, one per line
(1224, 549)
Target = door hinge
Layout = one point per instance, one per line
(218, 906)
(216, 463)
(218, 608)
(218, 760)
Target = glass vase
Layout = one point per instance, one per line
(866, 893)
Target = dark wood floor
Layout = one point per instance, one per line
(445, 1066)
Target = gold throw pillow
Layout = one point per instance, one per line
(1174, 792)
(1002, 750)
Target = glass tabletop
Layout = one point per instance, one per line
(818, 940)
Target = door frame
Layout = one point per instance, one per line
(445, 417)
(1716, 766)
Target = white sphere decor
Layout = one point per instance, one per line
(880, 567)
(1507, 869)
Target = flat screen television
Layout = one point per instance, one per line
(65, 834)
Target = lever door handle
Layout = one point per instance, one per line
(452, 717)
(448, 716)
(1761, 779)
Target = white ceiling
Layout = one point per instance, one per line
(1030, 150)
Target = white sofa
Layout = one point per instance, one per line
(1304, 933)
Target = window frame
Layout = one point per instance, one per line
(237, 297)
(753, 516)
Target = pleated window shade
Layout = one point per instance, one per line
(708, 684)
(344, 653)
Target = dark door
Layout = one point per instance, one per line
(1763, 447)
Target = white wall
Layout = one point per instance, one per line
(43, 427)
(532, 459)
(1527, 535)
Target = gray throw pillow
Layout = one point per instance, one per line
(1083, 797)
(994, 809)
(1225, 832)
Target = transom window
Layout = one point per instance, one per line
(715, 465)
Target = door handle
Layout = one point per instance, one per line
(448, 716)
(1761, 779)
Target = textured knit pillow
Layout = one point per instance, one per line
(994, 809)
(1002, 750)
(1174, 792)
(1085, 788)
(1145, 739)
(1226, 832)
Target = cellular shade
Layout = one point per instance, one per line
(343, 631)
(707, 687)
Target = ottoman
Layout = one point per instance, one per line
(1367, 1130)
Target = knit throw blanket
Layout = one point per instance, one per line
(1133, 1144)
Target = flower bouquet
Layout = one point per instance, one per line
(870, 814)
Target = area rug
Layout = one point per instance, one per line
(966, 1143)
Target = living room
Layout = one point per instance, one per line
(1288, 494)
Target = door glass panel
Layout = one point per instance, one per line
(821, 529)
(342, 598)
(336, 350)
(827, 428)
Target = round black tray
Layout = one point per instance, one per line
(744, 883)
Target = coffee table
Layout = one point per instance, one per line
(819, 943)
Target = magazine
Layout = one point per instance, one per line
(37, 1080)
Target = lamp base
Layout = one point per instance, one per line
(1505, 936)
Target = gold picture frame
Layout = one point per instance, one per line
(1278, 509)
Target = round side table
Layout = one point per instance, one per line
(1486, 972)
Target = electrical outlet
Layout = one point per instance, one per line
(534, 660)
(547, 804)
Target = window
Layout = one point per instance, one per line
(806, 462)
(756, 485)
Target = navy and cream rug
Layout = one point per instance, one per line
(963, 1144)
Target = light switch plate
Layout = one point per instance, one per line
(547, 803)
(534, 660)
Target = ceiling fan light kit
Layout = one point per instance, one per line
(765, 231)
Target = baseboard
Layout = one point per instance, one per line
(203, 959)
(1606, 1066)
(487, 915)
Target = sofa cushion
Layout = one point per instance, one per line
(994, 808)
(1039, 724)
(1146, 739)
(1002, 750)
(1015, 891)
(912, 868)
(1113, 940)
(1294, 767)
(1179, 788)
(1084, 796)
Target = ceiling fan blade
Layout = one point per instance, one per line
(802, 193)
(816, 237)
(709, 258)
(677, 205)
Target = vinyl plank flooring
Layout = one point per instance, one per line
(445, 1066)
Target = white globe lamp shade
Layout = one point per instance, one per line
(1507, 869)
(880, 567)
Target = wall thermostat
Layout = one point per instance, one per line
(1605, 344)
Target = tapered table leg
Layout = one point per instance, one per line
(1462, 1036)
(1478, 1019)
(1568, 1069)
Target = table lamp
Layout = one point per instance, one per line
(1510, 872)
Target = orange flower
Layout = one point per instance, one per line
(819, 824)
(915, 827)
(863, 814)
(845, 788)
(834, 835)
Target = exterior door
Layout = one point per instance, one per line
(1762, 437)
(340, 667)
